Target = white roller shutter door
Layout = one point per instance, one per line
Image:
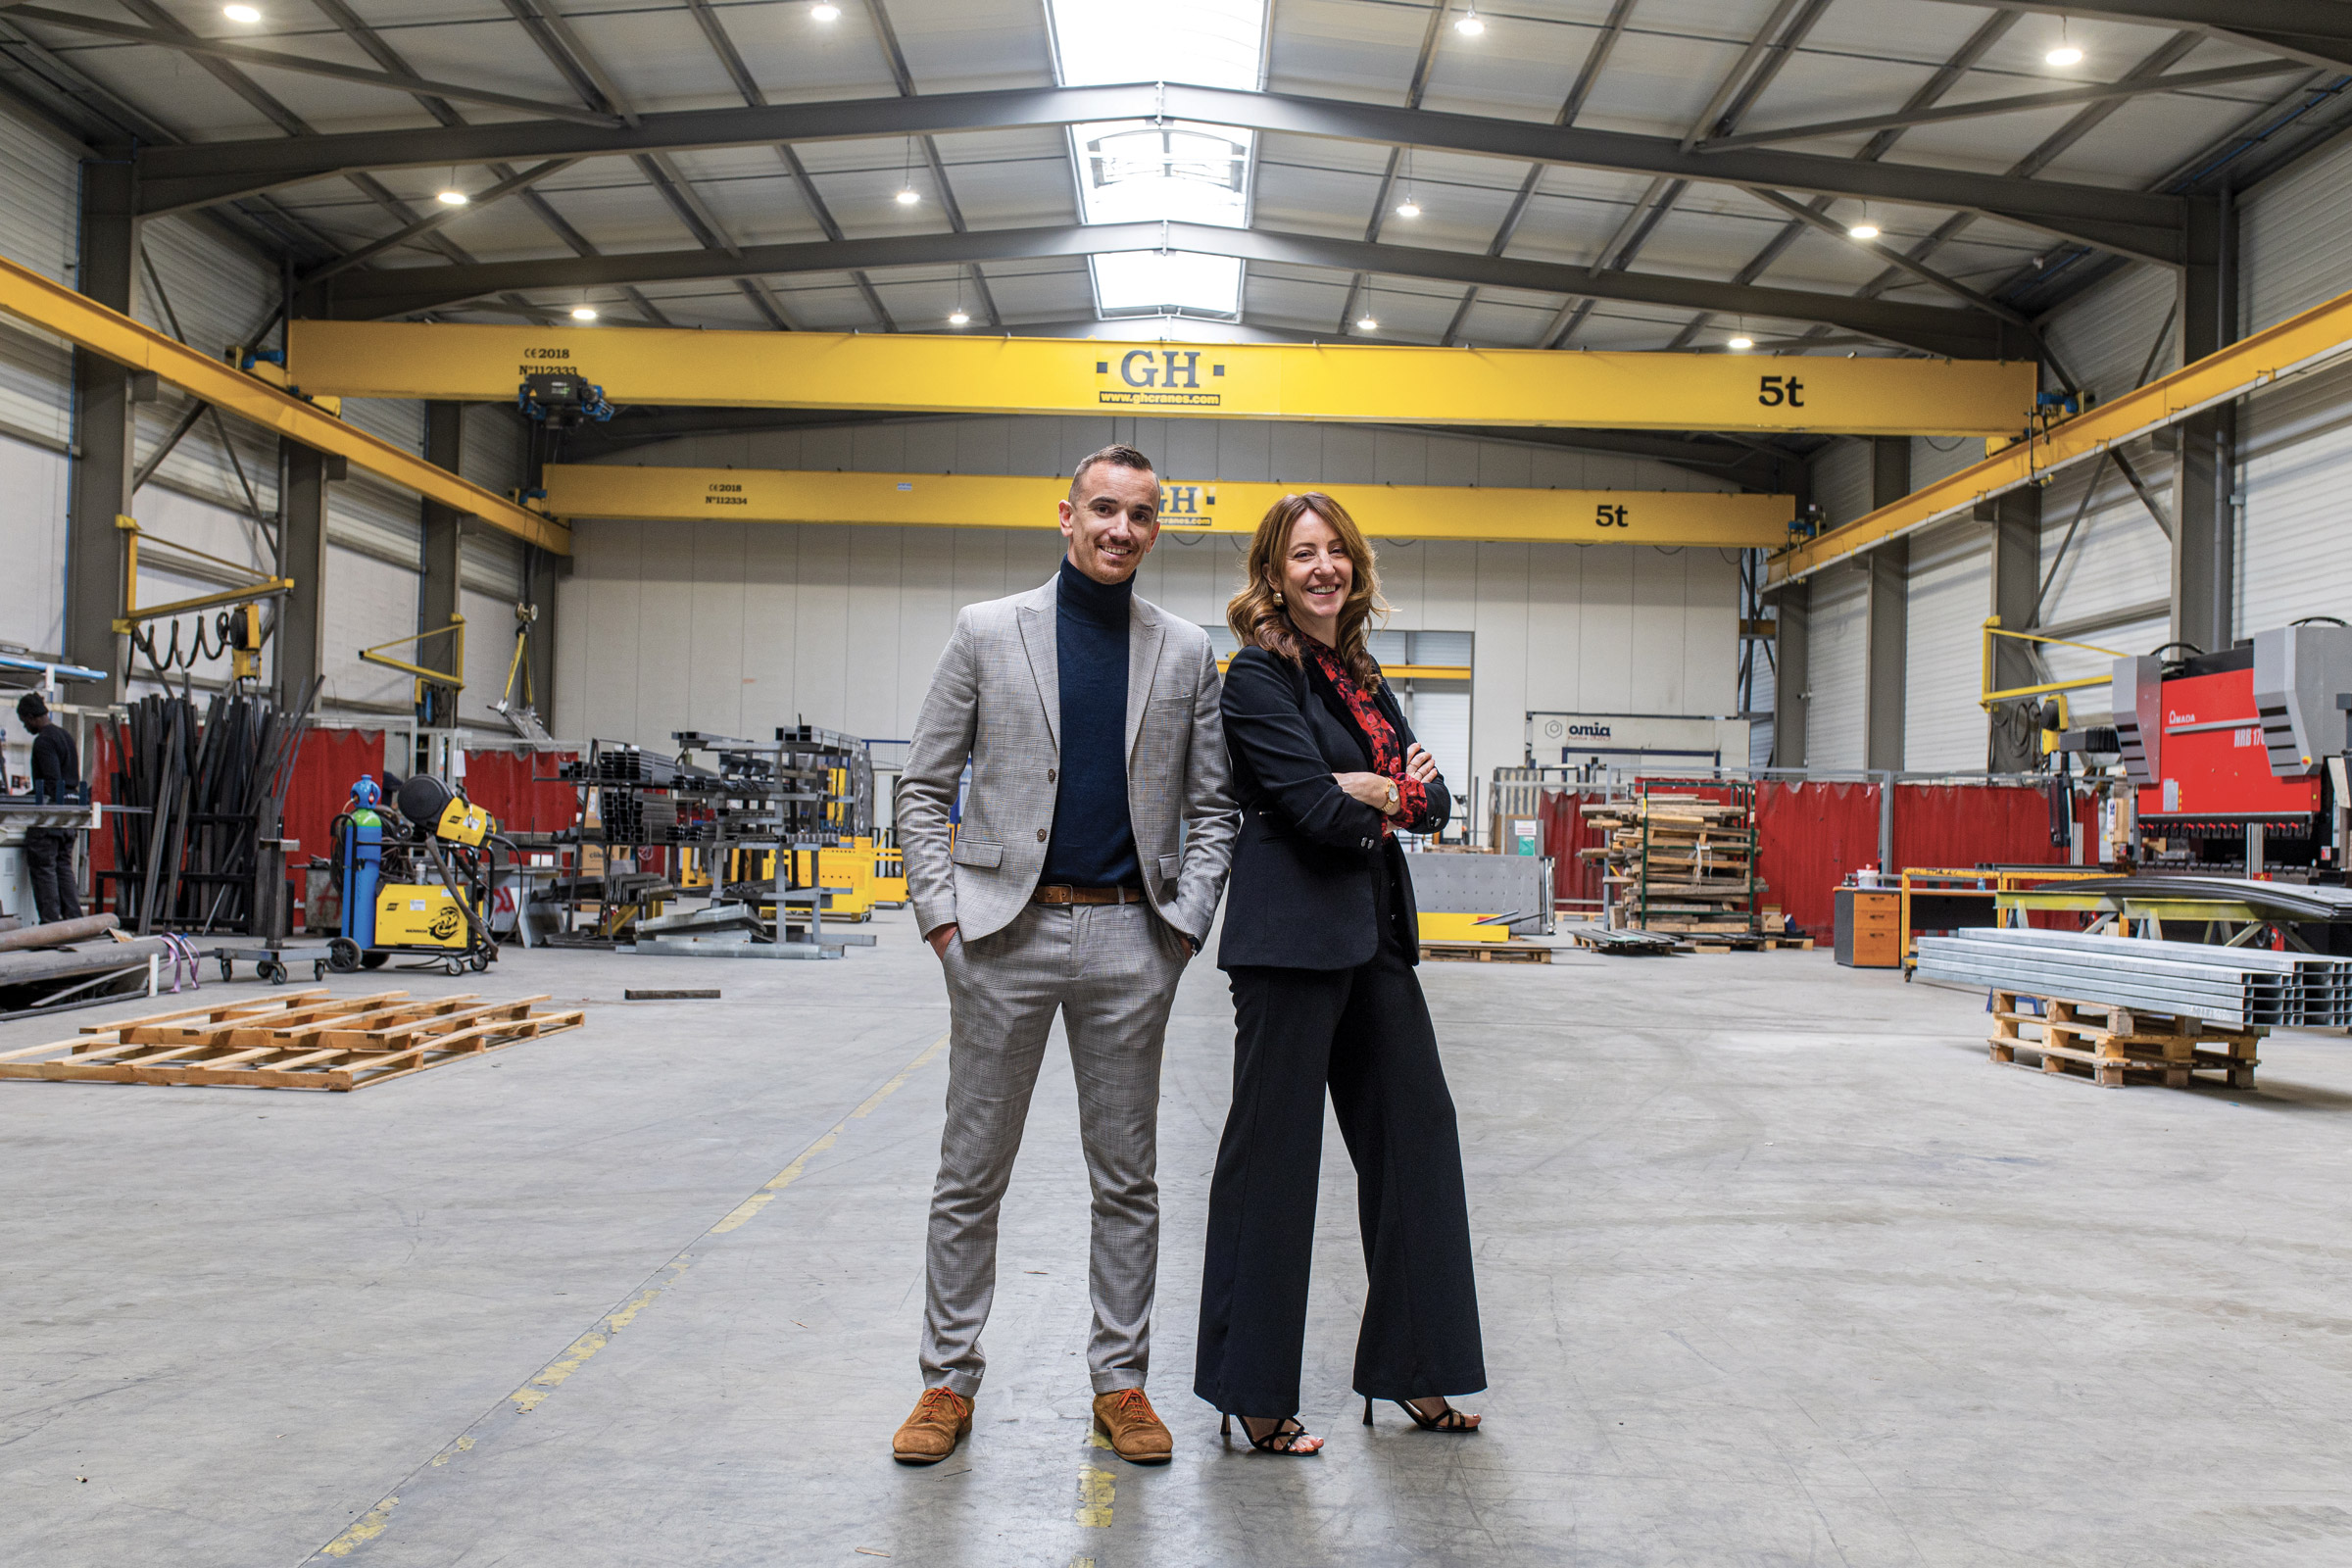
(2295, 440)
(1834, 710)
(1945, 604)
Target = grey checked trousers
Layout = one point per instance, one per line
(1111, 972)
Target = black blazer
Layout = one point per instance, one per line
(1303, 895)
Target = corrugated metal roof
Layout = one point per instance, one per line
(1673, 63)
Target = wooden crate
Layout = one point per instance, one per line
(301, 1040)
(2115, 1045)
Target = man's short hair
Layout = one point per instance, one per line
(29, 707)
(1118, 457)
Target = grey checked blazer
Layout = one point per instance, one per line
(996, 698)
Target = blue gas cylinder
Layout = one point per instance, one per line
(363, 872)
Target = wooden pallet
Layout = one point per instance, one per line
(2122, 1046)
(301, 1040)
(1485, 951)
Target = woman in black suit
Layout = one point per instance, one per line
(1320, 945)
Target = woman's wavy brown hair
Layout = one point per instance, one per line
(1256, 614)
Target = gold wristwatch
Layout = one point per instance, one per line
(1396, 797)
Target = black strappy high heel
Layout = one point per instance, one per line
(1447, 1420)
(1283, 1440)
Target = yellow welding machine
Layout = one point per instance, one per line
(461, 822)
(414, 914)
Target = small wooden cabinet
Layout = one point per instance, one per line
(1869, 929)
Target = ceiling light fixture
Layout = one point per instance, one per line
(1743, 343)
(1366, 323)
(1865, 229)
(244, 13)
(2066, 54)
(583, 312)
(825, 13)
(906, 196)
(1408, 208)
(1470, 27)
(453, 198)
(960, 318)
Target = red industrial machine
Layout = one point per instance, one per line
(2237, 757)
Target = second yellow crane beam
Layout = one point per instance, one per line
(907, 373)
(1668, 518)
(87, 324)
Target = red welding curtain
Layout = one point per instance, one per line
(519, 788)
(1810, 835)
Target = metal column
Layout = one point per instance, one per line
(2204, 518)
(437, 591)
(104, 432)
(1793, 670)
(301, 639)
(2015, 521)
(1888, 625)
(541, 569)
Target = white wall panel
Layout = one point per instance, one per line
(2119, 556)
(740, 628)
(2105, 335)
(1835, 708)
(490, 447)
(842, 626)
(372, 601)
(37, 197)
(2295, 472)
(1950, 593)
(2296, 242)
(1841, 481)
(1940, 456)
(32, 539)
(2295, 440)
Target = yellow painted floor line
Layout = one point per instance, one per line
(548, 1378)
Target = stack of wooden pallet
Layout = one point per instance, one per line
(2113, 1045)
(301, 1040)
(1675, 862)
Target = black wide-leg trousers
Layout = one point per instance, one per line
(1365, 1035)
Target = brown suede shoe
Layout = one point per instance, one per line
(941, 1417)
(1136, 1432)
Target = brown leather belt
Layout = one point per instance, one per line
(1068, 895)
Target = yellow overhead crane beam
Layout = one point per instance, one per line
(2319, 337)
(109, 334)
(1355, 382)
(1213, 506)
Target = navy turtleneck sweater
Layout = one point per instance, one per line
(1094, 839)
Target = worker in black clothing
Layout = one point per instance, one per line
(56, 776)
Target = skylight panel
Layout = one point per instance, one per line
(1214, 43)
(1169, 280)
(1132, 171)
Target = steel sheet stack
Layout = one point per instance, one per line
(2232, 986)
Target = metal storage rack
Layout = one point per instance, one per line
(721, 799)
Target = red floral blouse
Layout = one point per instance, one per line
(1387, 755)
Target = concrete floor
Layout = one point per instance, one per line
(1775, 1269)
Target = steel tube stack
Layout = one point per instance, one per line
(2229, 986)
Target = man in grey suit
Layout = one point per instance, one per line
(1084, 875)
